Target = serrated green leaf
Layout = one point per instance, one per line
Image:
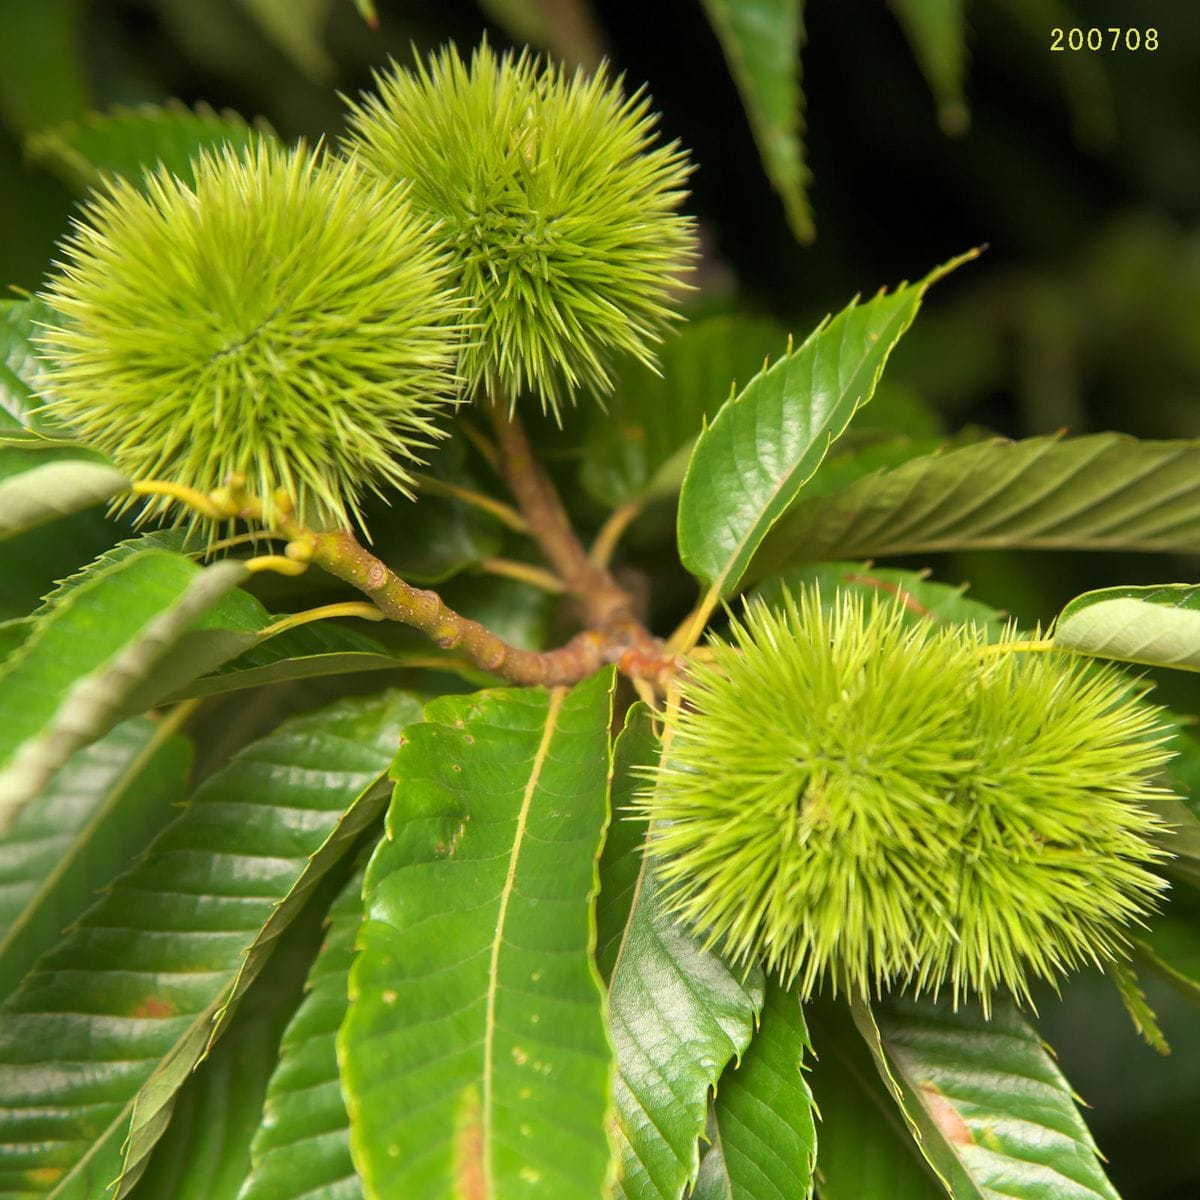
(1101, 492)
(937, 32)
(55, 489)
(84, 829)
(762, 40)
(68, 683)
(485, 1071)
(1144, 1018)
(99, 1038)
(764, 1139)
(764, 445)
(921, 598)
(205, 1152)
(677, 1013)
(301, 1150)
(297, 27)
(22, 372)
(1155, 626)
(996, 1116)
(129, 143)
(866, 1148)
(651, 415)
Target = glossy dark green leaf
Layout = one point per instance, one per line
(1101, 492)
(677, 1013)
(997, 1118)
(129, 143)
(937, 32)
(762, 40)
(765, 444)
(473, 1054)
(98, 813)
(301, 1151)
(1157, 626)
(99, 1038)
(764, 1137)
(653, 416)
(866, 1149)
(205, 1152)
(67, 684)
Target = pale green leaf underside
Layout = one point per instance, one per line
(764, 1132)
(762, 40)
(98, 1039)
(130, 143)
(677, 1013)
(301, 1150)
(71, 678)
(1101, 492)
(750, 464)
(1155, 626)
(473, 1054)
(55, 489)
(997, 1117)
(97, 814)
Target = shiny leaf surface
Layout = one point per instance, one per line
(99, 1038)
(473, 1055)
(764, 444)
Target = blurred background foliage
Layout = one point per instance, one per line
(931, 126)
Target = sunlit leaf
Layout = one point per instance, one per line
(473, 1055)
(996, 1116)
(1157, 626)
(764, 444)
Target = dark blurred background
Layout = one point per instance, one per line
(1081, 172)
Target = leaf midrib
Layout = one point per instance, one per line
(489, 1036)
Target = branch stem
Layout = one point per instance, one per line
(604, 601)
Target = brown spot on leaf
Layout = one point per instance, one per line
(946, 1117)
(43, 1176)
(468, 1148)
(153, 1009)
